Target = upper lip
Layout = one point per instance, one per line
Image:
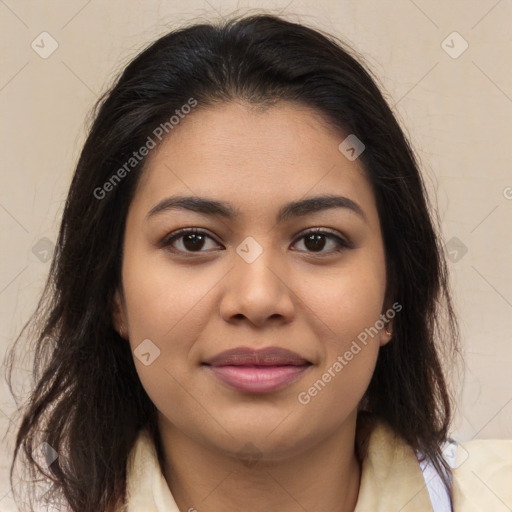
(271, 356)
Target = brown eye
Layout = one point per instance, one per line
(315, 242)
(192, 240)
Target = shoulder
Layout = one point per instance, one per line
(482, 476)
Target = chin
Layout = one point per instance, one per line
(266, 443)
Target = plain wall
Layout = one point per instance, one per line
(456, 109)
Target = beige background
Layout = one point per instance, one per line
(457, 111)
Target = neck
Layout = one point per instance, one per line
(326, 477)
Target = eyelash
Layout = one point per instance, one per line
(343, 244)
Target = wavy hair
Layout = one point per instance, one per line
(87, 402)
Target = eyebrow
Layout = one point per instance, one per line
(290, 210)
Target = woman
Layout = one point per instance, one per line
(245, 309)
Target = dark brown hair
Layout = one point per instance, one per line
(87, 402)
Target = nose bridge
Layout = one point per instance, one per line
(256, 286)
(256, 262)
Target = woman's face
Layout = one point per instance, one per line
(254, 279)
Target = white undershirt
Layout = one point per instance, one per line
(436, 489)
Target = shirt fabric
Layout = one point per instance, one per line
(392, 479)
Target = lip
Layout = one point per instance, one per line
(271, 356)
(257, 371)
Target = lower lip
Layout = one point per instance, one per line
(262, 379)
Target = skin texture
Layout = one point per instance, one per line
(194, 305)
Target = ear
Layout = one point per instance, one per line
(387, 315)
(387, 333)
(119, 315)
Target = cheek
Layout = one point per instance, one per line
(161, 298)
(350, 350)
(344, 301)
(347, 309)
(165, 305)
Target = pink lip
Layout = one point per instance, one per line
(259, 379)
(257, 371)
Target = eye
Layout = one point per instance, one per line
(193, 240)
(314, 241)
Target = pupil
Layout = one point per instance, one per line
(315, 245)
(190, 244)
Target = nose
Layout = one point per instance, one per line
(258, 291)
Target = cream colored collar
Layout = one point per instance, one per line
(391, 477)
(392, 480)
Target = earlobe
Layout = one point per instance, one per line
(118, 315)
(386, 333)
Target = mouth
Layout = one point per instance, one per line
(257, 371)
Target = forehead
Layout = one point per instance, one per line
(253, 158)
